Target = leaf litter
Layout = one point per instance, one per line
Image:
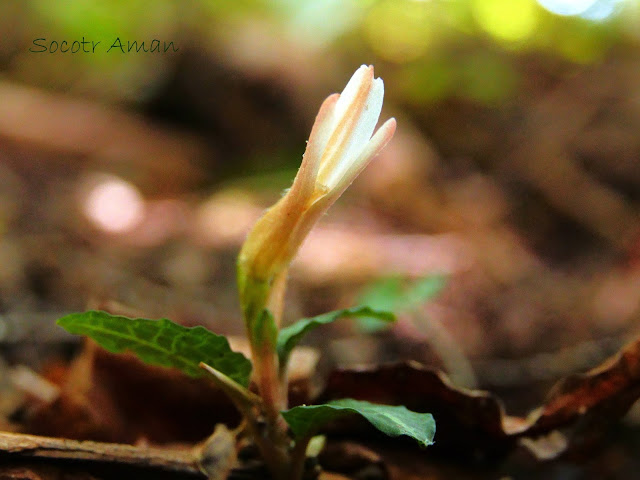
(120, 399)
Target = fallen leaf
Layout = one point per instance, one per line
(474, 423)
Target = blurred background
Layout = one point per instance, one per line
(501, 221)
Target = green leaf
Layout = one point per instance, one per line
(398, 295)
(289, 337)
(161, 342)
(423, 290)
(305, 421)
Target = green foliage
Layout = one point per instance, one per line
(397, 295)
(289, 337)
(161, 342)
(394, 421)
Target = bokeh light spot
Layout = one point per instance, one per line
(567, 7)
(114, 205)
(506, 20)
(603, 9)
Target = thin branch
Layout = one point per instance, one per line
(32, 446)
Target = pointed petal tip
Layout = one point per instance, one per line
(333, 98)
(378, 87)
(327, 105)
(360, 81)
(382, 136)
(392, 123)
(369, 74)
(364, 70)
(388, 128)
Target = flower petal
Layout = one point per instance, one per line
(351, 90)
(362, 132)
(304, 183)
(356, 132)
(370, 150)
(348, 114)
(340, 147)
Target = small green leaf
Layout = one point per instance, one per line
(241, 396)
(382, 293)
(423, 290)
(305, 421)
(398, 295)
(161, 342)
(289, 337)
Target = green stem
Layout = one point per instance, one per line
(273, 448)
(298, 458)
(272, 435)
(260, 301)
(275, 457)
(275, 428)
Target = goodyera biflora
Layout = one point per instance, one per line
(340, 146)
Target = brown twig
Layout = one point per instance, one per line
(32, 446)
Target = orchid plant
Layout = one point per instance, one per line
(341, 145)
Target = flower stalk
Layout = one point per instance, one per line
(341, 145)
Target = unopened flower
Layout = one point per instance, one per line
(340, 146)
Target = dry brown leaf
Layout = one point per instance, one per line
(608, 390)
(474, 422)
